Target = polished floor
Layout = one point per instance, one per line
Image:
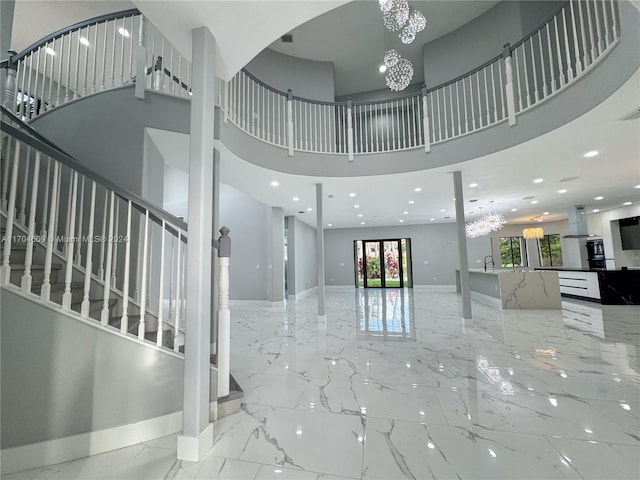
(393, 385)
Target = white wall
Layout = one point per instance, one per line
(606, 225)
(302, 256)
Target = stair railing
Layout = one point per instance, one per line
(92, 56)
(92, 243)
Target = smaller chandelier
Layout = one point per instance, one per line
(395, 13)
(415, 24)
(391, 58)
(531, 233)
(491, 222)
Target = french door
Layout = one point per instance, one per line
(383, 263)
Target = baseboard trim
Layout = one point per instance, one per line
(434, 288)
(60, 450)
(486, 300)
(304, 294)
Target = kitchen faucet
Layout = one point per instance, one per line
(487, 262)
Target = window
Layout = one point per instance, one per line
(550, 251)
(511, 252)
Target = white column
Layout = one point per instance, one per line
(275, 252)
(320, 254)
(224, 315)
(509, 91)
(462, 246)
(197, 433)
(533, 253)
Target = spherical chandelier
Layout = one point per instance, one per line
(399, 76)
(491, 222)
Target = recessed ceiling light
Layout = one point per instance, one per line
(626, 203)
(514, 209)
(401, 221)
(329, 224)
(591, 153)
(473, 185)
(309, 209)
(123, 31)
(539, 220)
(442, 210)
(352, 194)
(599, 197)
(295, 199)
(359, 215)
(84, 41)
(432, 219)
(411, 202)
(533, 202)
(382, 68)
(538, 180)
(275, 183)
(545, 213)
(637, 186)
(362, 223)
(50, 51)
(405, 213)
(417, 189)
(563, 190)
(595, 210)
(356, 206)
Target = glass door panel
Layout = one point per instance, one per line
(372, 264)
(392, 266)
(357, 246)
(405, 247)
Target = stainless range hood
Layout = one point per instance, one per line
(578, 223)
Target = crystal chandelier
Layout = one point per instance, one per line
(415, 24)
(491, 222)
(395, 13)
(399, 71)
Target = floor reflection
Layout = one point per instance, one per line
(385, 313)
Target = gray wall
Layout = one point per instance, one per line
(87, 129)
(472, 44)
(433, 250)
(306, 78)
(62, 377)
(248, 266)
(302, 256)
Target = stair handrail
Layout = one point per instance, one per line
(76, 26)
(28, 135)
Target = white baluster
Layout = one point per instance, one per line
(55, 226)
(124, 322)
(560, 63)
(34, 92)
(141, 60)
(67, 93)
(544, 71)
(113, 53)
(592, 40)
(464, 101)
(486, 94)
(94, 59)
(77, 79)
(525, 69)
(171, 278)
(5, 173)
(536, 94)
(438, 113)
(565, 27)
(161, 289)
(24, 102)
(511, 102)
(143, 288)
(103, 232)
(493, 93)
(122, 50)
(104, 313)
(44, 81)
(349, 131)
(53, 63)
(552, 72)
(66, 297)
(116, 229)
(88, 266)
(614, 17)
(22, 214)
(45, 207)
(583, 36)
(45, 290)
(480, 118)
(458, 112)
(176, 345)
(78, 255)
(60, 67)
(104, 55)
(518, 79)
(86, 64)
(576, 46)
(25, 284)
(606, 24)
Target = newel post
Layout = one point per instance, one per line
(350, 130)
(141, 61)
(224, 314)
(290, 122)
(511, 100)
(9, 87)
(426, 126)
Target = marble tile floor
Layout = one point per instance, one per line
(394, 385)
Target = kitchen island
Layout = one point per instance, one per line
(515, 288)
(608, 287)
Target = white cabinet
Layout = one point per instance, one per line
(582, 284)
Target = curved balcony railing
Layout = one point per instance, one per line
(115, 50)
(540, 65)
(98, 54)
